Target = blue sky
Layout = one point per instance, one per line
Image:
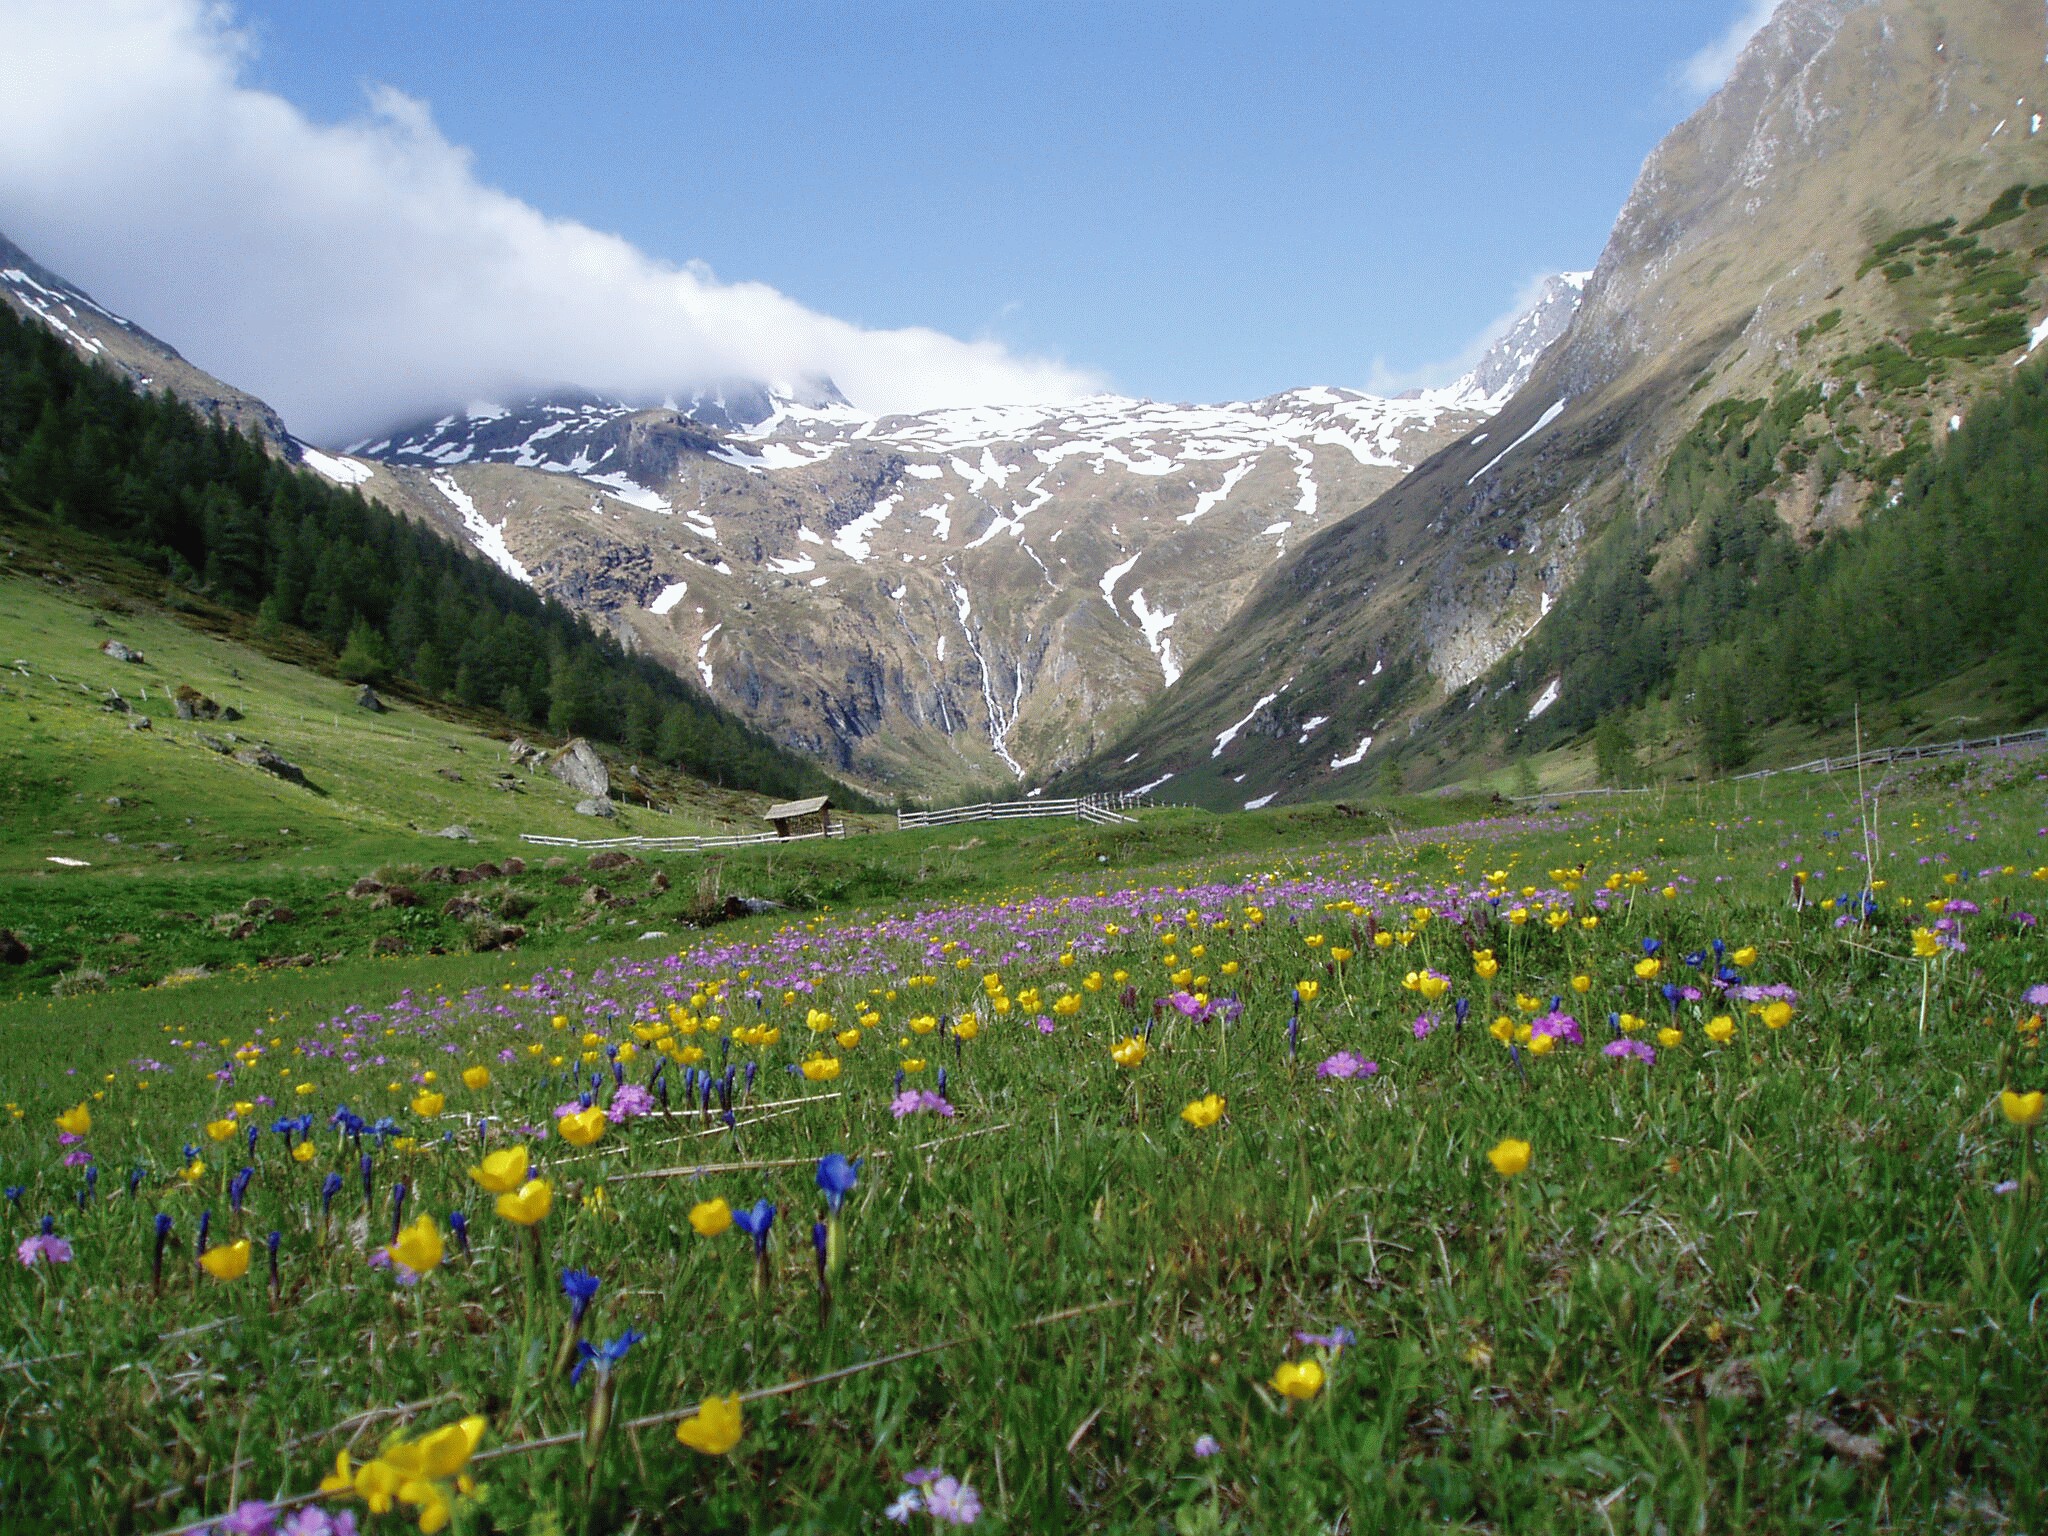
(370, 210)
(1197, 201)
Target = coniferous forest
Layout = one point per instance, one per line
(213, 511)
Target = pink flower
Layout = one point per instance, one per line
(1344, 1065)
(46, 1246)
(630, 1100)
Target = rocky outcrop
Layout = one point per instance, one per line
(578, 766)
(269, 762)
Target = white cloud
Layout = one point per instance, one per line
(356, 273)
(1705, 72)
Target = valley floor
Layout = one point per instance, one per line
(1660, 1163)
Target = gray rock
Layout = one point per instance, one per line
(458, 834)
(120, 652)
(578, 766)
(525, 754)
(212, 743)
(191, 704)
(366, 698)
(597, 805)
(269, 762)
(114, 704)
(139, 723)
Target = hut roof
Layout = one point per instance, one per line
(789, 810)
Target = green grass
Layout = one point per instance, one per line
(1760, 1286)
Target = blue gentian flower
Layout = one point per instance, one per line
(837, 1178)
(604, 1356)
(580, 1286)
(755, 1220)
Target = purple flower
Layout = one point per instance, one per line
(1336, 1338)
(1207, 1446)
(1424, 1023)
(251, 1517)
(628, 1101)
(1345, 1065)
(1559, 1026)
(1639, 1050)
(314, 1521)
(46, 1246)
(912, 1101)
(2037, 997)
(952, 1502)
(918, 1477)
(77, 1158)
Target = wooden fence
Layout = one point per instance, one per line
(677, 844)
(1100, 810)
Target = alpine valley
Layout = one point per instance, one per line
(1816, 281)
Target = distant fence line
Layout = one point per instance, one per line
(1875, 757)
(1100, 810)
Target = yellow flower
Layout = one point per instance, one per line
(502, 1172)
(1668, 1037)
(913, 1065)
(818, 1020)
(220, 1130)
(303, 1152)
(1582, 984)
(1338, 953)
(923, 1024)
(583, 1127)
(1300, 1379)
(1925, 945)
(1778, 1014)
(529, 1203)
(1648, 967)
(1307, 990)
(76, 1121)
(2021, 1108)
(1541, 1045)
(1721, 1029)
(821, 1069)
(967, 1027)
(1432, 986)
(1204, 1112)
(227, 1261)
(715, 1427)
(1502, 1029)
(377, 1484)
(418, 1247)
(847, 1039)
(428, 1105)
(1510, 1157)
(193, 1172)
(1129, 1052)
(305, 1088)
(438, 1453)
(1484, 963)
(708, 1218)
(476, 1077)
(343, 1478)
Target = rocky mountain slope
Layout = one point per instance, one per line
(98, 333)
(936, 602)
(1812, 279)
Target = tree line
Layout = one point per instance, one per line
(202, 504)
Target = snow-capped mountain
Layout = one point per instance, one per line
(929, 601)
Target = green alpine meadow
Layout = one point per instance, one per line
(752, 803)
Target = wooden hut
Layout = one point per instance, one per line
(801, 818)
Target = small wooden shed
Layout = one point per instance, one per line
(801, 818)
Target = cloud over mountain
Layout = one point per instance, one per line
(361, 272)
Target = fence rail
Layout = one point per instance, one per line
(1099, 810)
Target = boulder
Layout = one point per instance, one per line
(525, 754)
(457, 834)
(449, 774)
(13, 951)
(578, 766)
(749, 906)
(598, 806)
(488, 936)
(269, 762)
(191, 704)
(396, 896)
(387, 944)
(120, 652)
(139, 723)
(212, 743)
(612, 858)
(114, 704)
(369, 885)
(512, 866)
(464, 907)
(366, 698)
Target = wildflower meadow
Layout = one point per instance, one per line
(1660, 1163)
